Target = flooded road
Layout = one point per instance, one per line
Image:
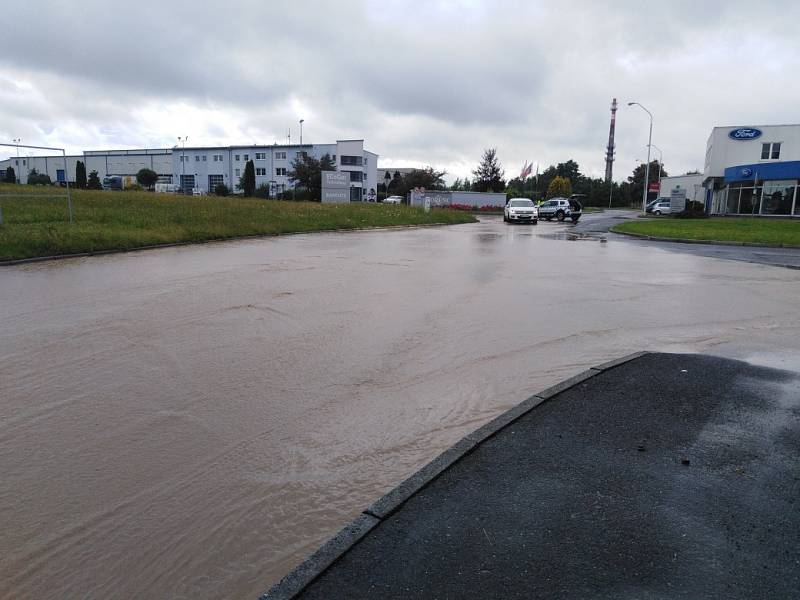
(192, 422)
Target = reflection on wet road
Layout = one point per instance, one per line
(191, 422)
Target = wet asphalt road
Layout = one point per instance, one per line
(192, 422)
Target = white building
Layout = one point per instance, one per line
(206, 167)
(753, 170)
(126, 163)
(691, 185)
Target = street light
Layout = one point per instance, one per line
(647, 168)
(301, 131)
(17, 141)
(183, 160)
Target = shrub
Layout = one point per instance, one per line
(36, 178)
(693, 210)
(93, 182)
(221, 190)
(146, 178)
(262, 191)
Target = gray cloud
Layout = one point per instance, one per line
(423, 83)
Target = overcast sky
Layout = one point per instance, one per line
(424, 83)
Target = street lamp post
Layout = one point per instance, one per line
(17, 141)
(301, 131)
(647, 167)
(182, 140)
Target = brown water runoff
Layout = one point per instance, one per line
(192, 422)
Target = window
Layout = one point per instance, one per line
(334, 158)
(261, 155)
(236, 157)
(260, 171)
(280, 155)
(354, 175)
(771, 151)
(247, 157)
(205, 158)
(218, 158)
(280, 171)
(16, 162)
(197, 158)
(352, 160)
(238, 171)
(301, 154)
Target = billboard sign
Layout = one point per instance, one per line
(335, 187)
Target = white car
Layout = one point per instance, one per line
(393, 200)
(520, 210)
(661, 207)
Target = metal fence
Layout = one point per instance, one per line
(24, 194)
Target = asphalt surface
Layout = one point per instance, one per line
(671, 476)
(598, 225)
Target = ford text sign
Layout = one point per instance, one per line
(745, 133)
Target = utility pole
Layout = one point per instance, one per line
(17, 141)
(301, 131)
(647, 167)
(183, 159)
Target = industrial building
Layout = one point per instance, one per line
(206, 167)
(753, 170)
(107, 163)
(200, 169)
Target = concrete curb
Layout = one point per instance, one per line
(304, 574)
(705, 242)
(35, 259)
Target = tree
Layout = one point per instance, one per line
(36, 178)
(489, 174)
(636, 180)
(11, 176)
(560, 187)
(146, 178)
(306, 173)
(93, 182)
(247, 182)
(80, 175)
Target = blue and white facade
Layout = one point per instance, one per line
(203, 168)
(753, 170)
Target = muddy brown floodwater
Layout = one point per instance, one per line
(192, 422)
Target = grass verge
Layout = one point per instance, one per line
(756, 230)
(36, 226)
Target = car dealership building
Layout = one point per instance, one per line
(753, 170)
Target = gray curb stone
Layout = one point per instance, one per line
(315, 565)
(303, 575)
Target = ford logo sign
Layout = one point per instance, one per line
(747, 172)
(745, 133)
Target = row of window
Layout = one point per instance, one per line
(281, 172)
(346, 160)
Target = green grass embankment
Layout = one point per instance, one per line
(758, 230)
(35, 226)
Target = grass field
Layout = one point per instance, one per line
(752, 230)
(35, 226)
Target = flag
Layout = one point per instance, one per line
(526, 170)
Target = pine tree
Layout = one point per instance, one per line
(93, 182)
(80, 174)
(11, 176)
(247, 183)
(489, 174)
